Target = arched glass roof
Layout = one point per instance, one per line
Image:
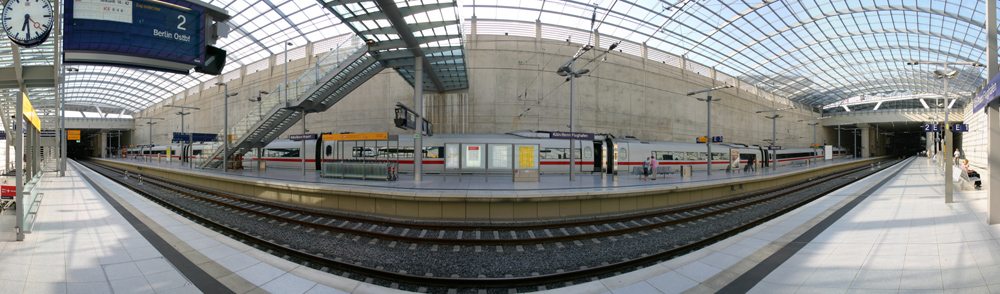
(259, 30)
(815, 52)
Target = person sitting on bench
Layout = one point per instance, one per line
(971, 173)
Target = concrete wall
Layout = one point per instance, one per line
(513, 86)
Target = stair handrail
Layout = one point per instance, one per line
(329, 61)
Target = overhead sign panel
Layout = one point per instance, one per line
(72, 134)
(166, 35)
(932, 128)
(988, 93)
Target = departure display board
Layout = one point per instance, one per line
(167, 34)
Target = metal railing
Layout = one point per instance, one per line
(277, 96)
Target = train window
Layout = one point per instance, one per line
(587, 152)
(281, 152)
(433, 152)
(358, 151)
(556, 153)
(329, 150)
(663, 155)
(622, 154)
(720, 155)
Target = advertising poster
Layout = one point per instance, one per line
(499, 156)
(451, 156)
(526, 157)
(473, 156)
(734, 158)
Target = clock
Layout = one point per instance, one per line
(27, 22)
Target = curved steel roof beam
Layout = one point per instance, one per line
(67, 94)
(154, 84)
(866, 33)
(862, 10)
(842, 52)
(907, 84)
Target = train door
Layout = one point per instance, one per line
(599, 152)
(318, 153)
(184, 152)
(609, 154)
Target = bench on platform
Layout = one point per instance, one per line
(963, 180)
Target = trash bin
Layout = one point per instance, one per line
(686, 171)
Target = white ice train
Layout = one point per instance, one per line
(553, 153)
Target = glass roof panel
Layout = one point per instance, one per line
(814, 52)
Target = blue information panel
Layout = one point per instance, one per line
(167, 34)
(959, 128)
(932, 128)
(716, 139)
(568, 135)
(773, 147)
(300, 137)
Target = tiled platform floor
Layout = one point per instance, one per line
(902, 238)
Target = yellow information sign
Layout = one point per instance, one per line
(526, 156)
(356, 137)
(29, 112)
(72, 134)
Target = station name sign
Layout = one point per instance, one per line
(984, 97)
(300, 137)
(569, 135)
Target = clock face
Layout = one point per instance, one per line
(27, 22)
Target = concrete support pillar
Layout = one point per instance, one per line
(930, 142)
(645, 56)
(865, 146)
(993, 120)
(104, 144)
(472, 33)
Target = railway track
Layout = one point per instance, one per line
(541, 239)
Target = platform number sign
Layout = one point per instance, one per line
(932, 128)
(959, 128)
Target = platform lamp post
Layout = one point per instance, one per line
(568, 70)
(260, 113)
(150, 123)
(225, 125)
(774, 133)
(62, 121)
(708, 114)
(190, 136)
(947, 74)
(286, 71)
(814, 124)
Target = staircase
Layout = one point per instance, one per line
(333, 77)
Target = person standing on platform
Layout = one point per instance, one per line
(958, 156)
(653, 164)
(645, 169)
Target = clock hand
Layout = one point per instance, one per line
(25, 26)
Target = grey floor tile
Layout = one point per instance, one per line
(122, 270)
(101, 287)
(167, 280)
(288, 283)
(260, 274)
(136, 285)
